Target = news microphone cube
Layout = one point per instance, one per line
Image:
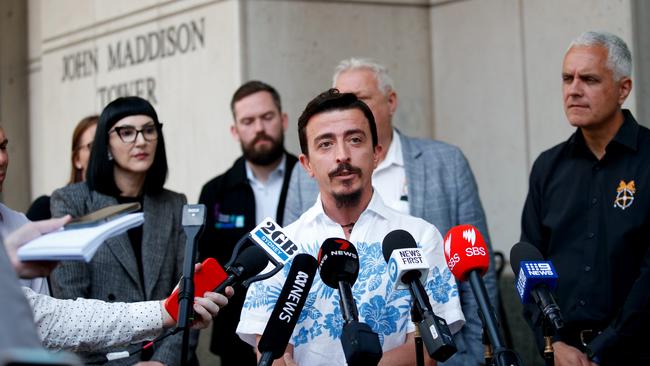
(406, 260)
(533, 273)
(270, 237)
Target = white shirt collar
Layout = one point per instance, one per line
(394, 153)
(375, 206)
(277, 172)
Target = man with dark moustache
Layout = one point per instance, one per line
(587, 211)
(254, 188)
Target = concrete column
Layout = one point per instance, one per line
(14, 101)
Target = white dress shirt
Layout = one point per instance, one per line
(389, 178)
(316, 338)
(267, 194)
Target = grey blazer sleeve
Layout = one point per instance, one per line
(470, 211)
(70, 279)
(301, 195)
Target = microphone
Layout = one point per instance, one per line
(287, 309)
(339, 268)
(250, 262)
(193, 221)
(535, 280)
(276, 245)
(468, 259)
(408, 269)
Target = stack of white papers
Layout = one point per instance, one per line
(76, 244)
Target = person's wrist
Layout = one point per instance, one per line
(167, 320)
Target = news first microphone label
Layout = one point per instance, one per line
(273, 240)
(406, 260)
(532, 273)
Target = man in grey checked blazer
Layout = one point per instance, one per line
(439, 187)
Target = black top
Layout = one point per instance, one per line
(40, 209)
(230, 204)
(591, 218)
(135, 234)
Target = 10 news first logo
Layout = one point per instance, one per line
(405, 260)
(532, 273)
(269, 235)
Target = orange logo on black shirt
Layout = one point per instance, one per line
(624, 195)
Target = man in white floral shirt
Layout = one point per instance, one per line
(338, 139)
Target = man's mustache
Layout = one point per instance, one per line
(343, 169)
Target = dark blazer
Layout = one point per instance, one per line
(112, 274)
(230, 215)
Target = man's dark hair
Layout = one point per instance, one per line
(333, 100)
(100, 175)
(253, 87)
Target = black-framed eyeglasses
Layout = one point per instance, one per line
(129, 134)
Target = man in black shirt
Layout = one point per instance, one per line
(254, 188)
(588, 212)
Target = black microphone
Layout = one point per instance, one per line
(287, 309)
(251, 261)
(408, 268)
(534, 279)
(339, 267)
(193, 221)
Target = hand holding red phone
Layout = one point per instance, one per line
(207, 276)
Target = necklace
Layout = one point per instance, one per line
(348, 227)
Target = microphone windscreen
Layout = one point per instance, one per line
(465, 251)
(290, 302)
(338, 261)
(252, 260)
(523, 251)
(396, 239)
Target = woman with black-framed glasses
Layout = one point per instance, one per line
(127, 164)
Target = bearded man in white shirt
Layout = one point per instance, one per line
(338, 139)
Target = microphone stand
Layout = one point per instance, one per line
(193, 222)
(502, 355)
(419, 350)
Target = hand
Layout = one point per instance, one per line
(149, 363)
(25, 234)
(288, 360)
(566, 355)
(206, 307)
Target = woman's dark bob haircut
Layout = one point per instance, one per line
(100, 176)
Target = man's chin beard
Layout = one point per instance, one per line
(350, 199)
(264, 158)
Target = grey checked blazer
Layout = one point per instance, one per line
(112, 274)
(442, 191)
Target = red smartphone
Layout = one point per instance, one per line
(206, 279)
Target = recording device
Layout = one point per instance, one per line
(287, 309)
(468, 259)
(246, 266)
(276, 246)
(339, 268)
(207, 278)
(408, 269)
(250, 262)
(193, 221)
(535, 280)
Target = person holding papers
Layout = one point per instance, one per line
(127, 164)
(83, 324)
